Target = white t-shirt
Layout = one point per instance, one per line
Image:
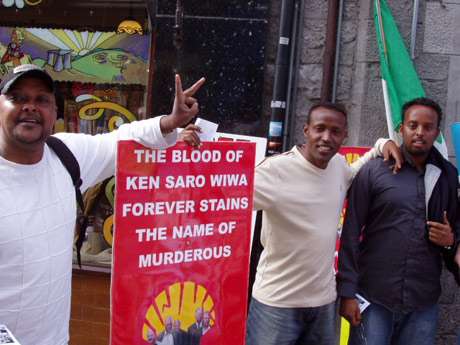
(302, 205)
(37, 220)
(168, 339)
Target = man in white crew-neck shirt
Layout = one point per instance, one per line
(301, 193)
(37, 198)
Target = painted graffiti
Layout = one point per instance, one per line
(94, 108)
(83, 56)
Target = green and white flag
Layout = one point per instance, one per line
(400, 81)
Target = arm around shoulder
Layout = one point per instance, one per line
(385, 148)
(374, 152)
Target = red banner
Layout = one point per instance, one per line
(181, 244)
(352, 153)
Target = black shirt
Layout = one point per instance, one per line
(391, 261)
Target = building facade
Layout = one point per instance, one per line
(359, 85)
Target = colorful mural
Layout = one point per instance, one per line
(93, 109)
(131, 27)
(13, 54)
(83, 56)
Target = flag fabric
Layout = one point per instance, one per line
(400, 81)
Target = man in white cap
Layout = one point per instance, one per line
(37, 199)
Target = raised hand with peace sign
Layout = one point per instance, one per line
(185, 107)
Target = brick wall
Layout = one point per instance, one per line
(90, 316)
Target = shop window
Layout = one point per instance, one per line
(98, 54)
(111, 67)
(223, 41)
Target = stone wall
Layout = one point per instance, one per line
(359, 85)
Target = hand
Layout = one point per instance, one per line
(441, 233)
(185, 107)
(349, 309)
(391, 150)
(190, 135)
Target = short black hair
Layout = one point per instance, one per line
(328, 105)
(426, 102)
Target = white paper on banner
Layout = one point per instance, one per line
(261, 143)
(261, 148)
(208, 129)
(6, 337)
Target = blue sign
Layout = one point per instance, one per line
(455, 127)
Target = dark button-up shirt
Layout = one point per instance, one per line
(385, 253)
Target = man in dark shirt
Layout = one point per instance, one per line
(195, 331)
(396, 230)
(180, 336)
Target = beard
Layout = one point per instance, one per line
(27, 139)
(417, 152)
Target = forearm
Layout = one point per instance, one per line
(148, 133)
(347, 277)
(374, 152)
(348, 258)
(96, 154)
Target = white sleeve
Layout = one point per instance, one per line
(376, 151)
(96, 154)
(147, 133)
(265, 181)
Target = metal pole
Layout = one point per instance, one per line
(413, 35)
(293, 68)
(337, 53)
(386, 97)
(329, 52)
(178, 35)
(279, 100)
(382, 33)
(292, 75)
(152, 13)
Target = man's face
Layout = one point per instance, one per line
(419, 129)
(27, 114)
(199, 315)
(206, 319)
(169, 324)
(176, 325)
(324, 135)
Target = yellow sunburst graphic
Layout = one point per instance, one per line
(351, 157)
(342, 217)
(180, 303)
